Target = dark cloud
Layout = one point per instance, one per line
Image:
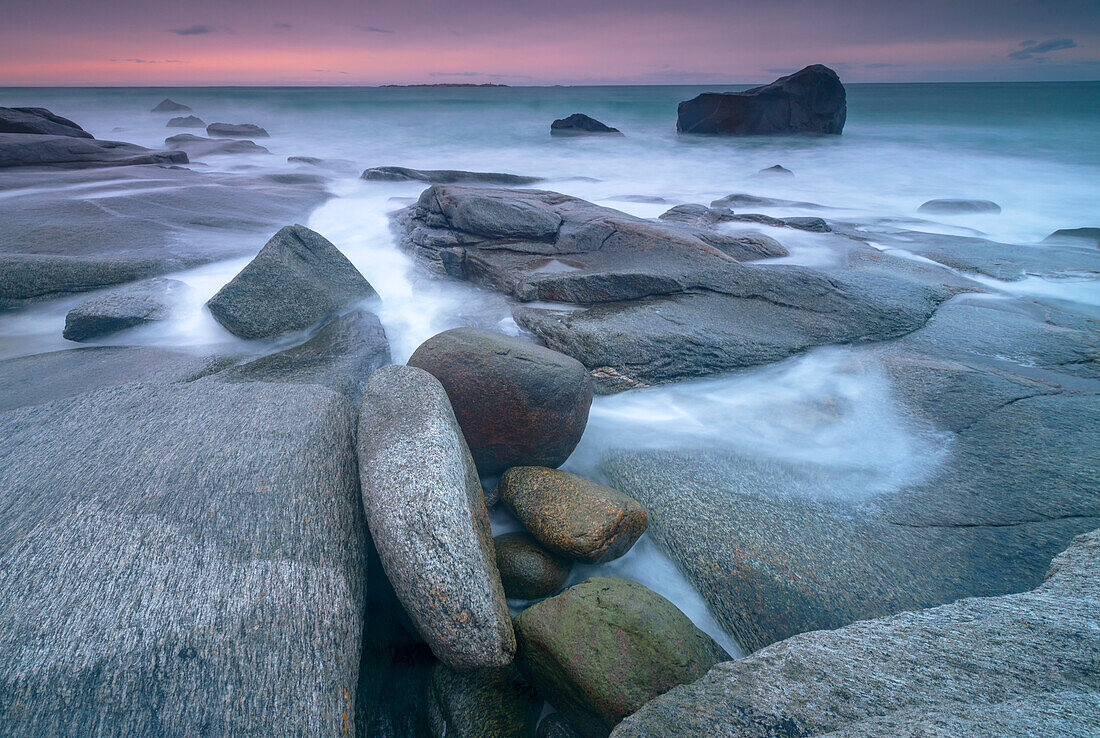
(147, 61)
(883, 65)
(283, 26)
(374, 29)
(1038, 49)
(459, 74)
(196, 30)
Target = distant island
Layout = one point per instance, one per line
(451, 84)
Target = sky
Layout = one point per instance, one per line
(539, 42)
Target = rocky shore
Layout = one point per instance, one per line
(287, 533)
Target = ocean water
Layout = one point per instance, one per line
(1032, 148)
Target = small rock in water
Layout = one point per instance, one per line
(485, 703)
(573, 516)
(959, 207)
(518, 403)
(605, 647)
(189, 121)
(424, 507)
(236, 130)
(556, 725)
(297, 278)
(528, 571)
(777, 169)
(126, 307)
(198, 146)
(170, 106)
(444, 176)
(579, 124)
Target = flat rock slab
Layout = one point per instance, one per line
(445, 176)
(960, 207)
(1020, 664)
(236, 130)
(604, 647)
(39, 121)
(188, 121)
(69, 152)
(427, 517)
(165, 549)
(297, 279)
(134, 305)
(131, 223)
(198, 146)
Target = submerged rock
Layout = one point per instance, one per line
(173, 543)
(235, 130)
(189, 121)
(486, 703)
(811, 100)
(603, 648)
(579, 124)
(777, 170)
(1018, 664)
(958, 207)
(297, 278)
(198, 146)
(573, 516)
(126, 307)
(444, 176)
(528, 571)
(341, 356)
(38, 121)
(67, 151)
(170, 106)
(428, 520)
(518, 403)
(702, 216)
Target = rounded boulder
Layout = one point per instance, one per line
(527, 570)
(517, 403)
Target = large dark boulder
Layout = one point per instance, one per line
(143, 221)
(134, 305)
(424, 506)
(198, 146)
(189, 560)
(811, 100)
(297, 278)
(1018, 664)
(573, 516)
(341, 355)
(236, 130)
(444, 176)
(603, 648)
(518, 403)
(170, 106)
(580, 124)
(39, 121)
(70, 152)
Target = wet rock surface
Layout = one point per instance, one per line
(579, 124)
(236, 505)
(527, 570)
(38, 121)
(487, 703)
(517, 402)
(198, 146)
(1086, 235)
(1009, 665)
(189, 121)
(141, 303)
(811, 100)
(445, 176)
(67, 151)
(959, 207)
(236, 130)
(296, 280)
(426, 514)
(572, 516)
(603, 648)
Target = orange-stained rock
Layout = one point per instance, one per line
(573, 516)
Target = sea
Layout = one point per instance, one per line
(1033, 148)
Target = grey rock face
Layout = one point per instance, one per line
(1020, 664)
(170, 106)
(1087, 235)
(197, 146)
(297, 278)
(445, 176)
(811, 100)
(426, 514)
(189, 121)
(67, 151)
(235, 130)
(518, 403)
(134, 305)
(702, 216)
(38, 121)
(487, 703)
(342, 356)
(165, 549)
(956, 207)
(579, 124)
(143, 221)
